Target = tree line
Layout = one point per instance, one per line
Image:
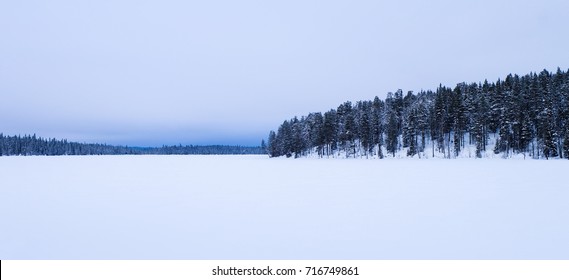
(29, 145)
(526, 115)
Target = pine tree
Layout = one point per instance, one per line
(264, 146)
(411, 132)
(365, 131)
(377, 125)
(330, 131)
(392, 133)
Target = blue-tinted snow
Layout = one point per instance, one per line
(253, 207)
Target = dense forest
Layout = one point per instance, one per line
(521, 115)
(29, 145)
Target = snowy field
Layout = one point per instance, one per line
(253, 207)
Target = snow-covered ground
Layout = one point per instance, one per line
(253, 207)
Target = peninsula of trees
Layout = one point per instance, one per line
(526, 115)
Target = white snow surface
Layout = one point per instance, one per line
(253, 207)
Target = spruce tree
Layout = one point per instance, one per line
(392, 133)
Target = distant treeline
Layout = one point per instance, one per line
(30, 145)
(526, 115)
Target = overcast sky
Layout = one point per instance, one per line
(226, 72)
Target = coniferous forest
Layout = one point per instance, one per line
(520, 115)
(29, 145)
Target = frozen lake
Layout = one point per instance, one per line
(253, 207)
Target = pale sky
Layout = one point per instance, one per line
(148, 73)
